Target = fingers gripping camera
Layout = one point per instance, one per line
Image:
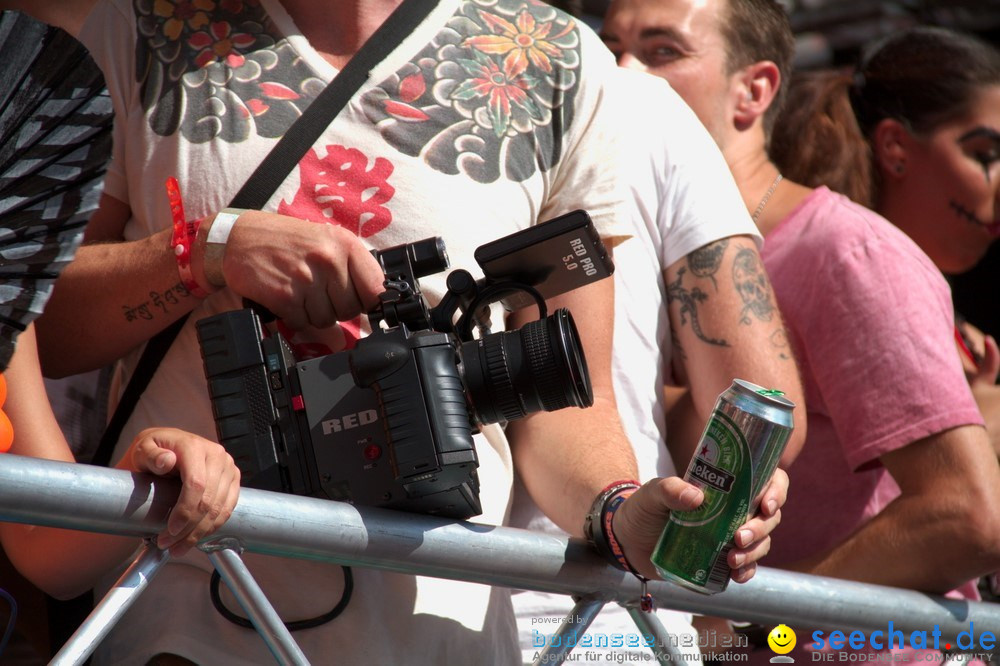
(390, 422)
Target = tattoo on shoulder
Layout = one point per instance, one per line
(689, 301)
(161, 300)
(753, 287)
(705, 261)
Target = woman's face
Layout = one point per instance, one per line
(952, 183)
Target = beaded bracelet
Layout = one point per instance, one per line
(183, 238)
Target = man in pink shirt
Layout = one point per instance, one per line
(896, 483)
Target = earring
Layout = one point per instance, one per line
(899, 168)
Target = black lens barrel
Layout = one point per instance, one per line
(540, 366)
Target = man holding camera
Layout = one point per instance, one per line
(486, 118)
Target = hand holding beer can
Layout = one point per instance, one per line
(739, 449)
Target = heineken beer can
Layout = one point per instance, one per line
(737, 454)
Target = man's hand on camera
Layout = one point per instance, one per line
(306, 273)
(209, 477)
(640, 520)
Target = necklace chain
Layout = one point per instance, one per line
(767, 197)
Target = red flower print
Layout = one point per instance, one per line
(525, 42)
(220, 43)
(342, 189)
(501, 88)
(190, 13)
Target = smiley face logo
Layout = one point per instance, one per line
(781, 639)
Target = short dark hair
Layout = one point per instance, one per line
(756, 30)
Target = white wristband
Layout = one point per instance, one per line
(215, 245)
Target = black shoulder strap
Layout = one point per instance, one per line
(154, 352)
(270, 173)
(304, 133)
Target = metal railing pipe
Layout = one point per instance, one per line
(577, 622)
(112, 607)
(234, 573)
(113, 501)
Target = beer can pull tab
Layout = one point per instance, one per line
(770, 393)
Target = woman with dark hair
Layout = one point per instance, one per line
(914, 134)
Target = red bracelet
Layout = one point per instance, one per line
(183, 239)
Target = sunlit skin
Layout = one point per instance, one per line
(680, 41)
(947, 197)
(781, 639)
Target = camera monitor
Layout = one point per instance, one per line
(554, 257)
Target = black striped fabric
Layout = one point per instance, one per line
(55, 142)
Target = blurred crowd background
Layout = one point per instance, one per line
(830, 33)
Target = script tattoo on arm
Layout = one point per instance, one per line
(162, 300)
(689, 301)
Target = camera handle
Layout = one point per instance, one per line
(462, 291)
(492, 293)
(400, 305)
(472, 297)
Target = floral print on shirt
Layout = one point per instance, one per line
(218, 69)
(491, 96)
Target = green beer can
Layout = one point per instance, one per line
(737, 454)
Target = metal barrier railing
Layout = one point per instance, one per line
(116, 502)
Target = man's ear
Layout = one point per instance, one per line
(756, 88)
(891, 143)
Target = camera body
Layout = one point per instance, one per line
(390, 422)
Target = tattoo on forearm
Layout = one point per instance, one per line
(163, 301)
(689, 302)
(780, 341)
(676, 342)
(705, 261)
(753, 287)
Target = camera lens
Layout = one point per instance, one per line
(540, 366)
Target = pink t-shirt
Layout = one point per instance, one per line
(872, 322)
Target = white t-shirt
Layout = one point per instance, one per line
(449, 138)
(684, 197)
